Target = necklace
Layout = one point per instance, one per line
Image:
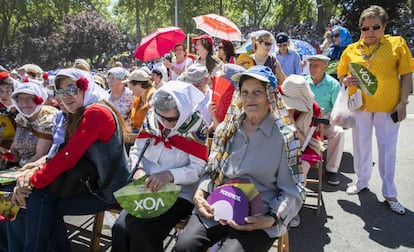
(369, 57)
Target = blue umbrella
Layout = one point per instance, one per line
(303, 47)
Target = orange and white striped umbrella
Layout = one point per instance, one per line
(218, 26)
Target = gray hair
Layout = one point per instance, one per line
(163, 101)
(372, 12)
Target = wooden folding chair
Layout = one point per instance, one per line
(282, 243)
(97, 229)
(319, 166)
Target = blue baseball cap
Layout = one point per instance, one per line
(262, 73)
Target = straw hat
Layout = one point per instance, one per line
(297, 93)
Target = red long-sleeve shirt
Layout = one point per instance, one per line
(97, 124)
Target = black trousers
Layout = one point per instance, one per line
(196, 237)
(130, 233)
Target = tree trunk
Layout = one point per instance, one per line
(137, 21)
(319, 26)
(412, 6)
(257, 24)
(221, 7)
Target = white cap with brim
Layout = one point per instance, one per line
(319, 57)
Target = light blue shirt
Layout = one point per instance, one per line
(325, 92)
(290, 62)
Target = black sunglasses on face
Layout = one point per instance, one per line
(168, 119)
(336, 35)
(374, 28)
(220, 47)
(71, 90)
(266, 43)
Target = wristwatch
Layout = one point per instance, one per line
(274, 216)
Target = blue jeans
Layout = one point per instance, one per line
(3, 224)
(44, 218)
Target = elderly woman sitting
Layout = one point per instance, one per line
(245, 137)
(177, 153)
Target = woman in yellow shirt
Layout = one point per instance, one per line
(389, 59)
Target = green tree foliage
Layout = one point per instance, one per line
(90, 36)
(353, 8)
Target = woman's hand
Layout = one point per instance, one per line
(201, 204)
(139, 173)
(253, 223)
(212, 109)
(22, 188)
(29, 166)
(350, 81)
(157, 180)
(401, 110)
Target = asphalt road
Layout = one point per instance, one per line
(357, 223)
(363, 222)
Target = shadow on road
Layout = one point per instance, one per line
(384, 227)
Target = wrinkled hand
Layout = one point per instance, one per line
(139, 173)
(156, 181)
(253, 223)
(23, 188)
(350, 81)
(30, 166)
(401, 109)
(202, 206)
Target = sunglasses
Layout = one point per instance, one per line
(336, 35)
(282, 44)
(374, 28)
(168, 119)
(220, 47)
(266, 43)
(71, 90)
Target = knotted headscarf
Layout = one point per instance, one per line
(93, 92)
(32, 89)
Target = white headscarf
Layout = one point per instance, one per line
(186, 96)
(93, 93)
(32, 89)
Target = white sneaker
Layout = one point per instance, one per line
(354, 189)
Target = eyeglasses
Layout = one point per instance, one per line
(71, 90)
(336, 35)
(282, 44)
(266, 43)
(168, 119)
(374, 28)
(220, 47)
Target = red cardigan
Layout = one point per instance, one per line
(97, 124)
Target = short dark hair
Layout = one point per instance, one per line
(157, 72)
